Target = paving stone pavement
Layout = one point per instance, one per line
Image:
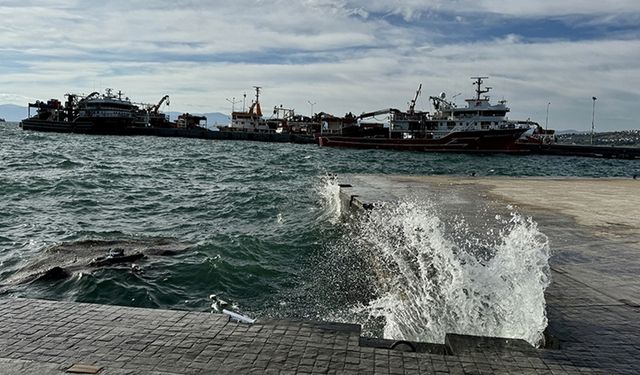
(38, 336)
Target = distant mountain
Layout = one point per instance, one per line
(12, 112)
(213, 118)
(217, 118)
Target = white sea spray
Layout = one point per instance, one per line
(328, 192)
(438, 276)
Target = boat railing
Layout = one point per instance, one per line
(462, 126)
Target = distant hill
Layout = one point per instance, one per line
(571, 131)
(213, 118)
(617, 138)
(12, 112)
(217, 118)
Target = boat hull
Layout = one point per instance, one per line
(195, 132)
(55, 126)
(477, 141)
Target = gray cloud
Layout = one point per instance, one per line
(412, 9)
(344, 55)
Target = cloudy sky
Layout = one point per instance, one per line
(343, 55)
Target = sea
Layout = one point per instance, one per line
(259, 231)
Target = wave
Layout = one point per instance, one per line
(434, 274)
(328, 192)
(68, 164)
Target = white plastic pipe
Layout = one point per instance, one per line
(238, 317)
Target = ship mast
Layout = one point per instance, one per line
(479, 91)
(255, 107)
(257, 92)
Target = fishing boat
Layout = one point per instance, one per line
(283, 120)
(479, 127)
(97, 113)
(251, 120)
(108, 113)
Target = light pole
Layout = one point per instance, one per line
(312, 104)
(593, 118)
(233, 102)
(546, 123)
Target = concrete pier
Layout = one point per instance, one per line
(593, 225)
(592, 304)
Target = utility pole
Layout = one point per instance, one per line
(311, 104)
(593, 118)
(546, 123)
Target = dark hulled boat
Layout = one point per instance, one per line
(91, 114)
(490, 140)
(108, 113)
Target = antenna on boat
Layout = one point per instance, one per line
(478, 82)
(233, 102)
(244, 101)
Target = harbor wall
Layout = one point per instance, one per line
(223, 135)
(608, 152)
(196, 132)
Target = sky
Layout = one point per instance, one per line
(342, 55)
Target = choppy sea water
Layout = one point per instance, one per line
(260, 228)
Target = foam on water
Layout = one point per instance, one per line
(437, 274)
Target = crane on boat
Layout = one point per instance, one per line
(156, 107)
(377, 113)
(412, 103)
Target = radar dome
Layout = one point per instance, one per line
(443, 95)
